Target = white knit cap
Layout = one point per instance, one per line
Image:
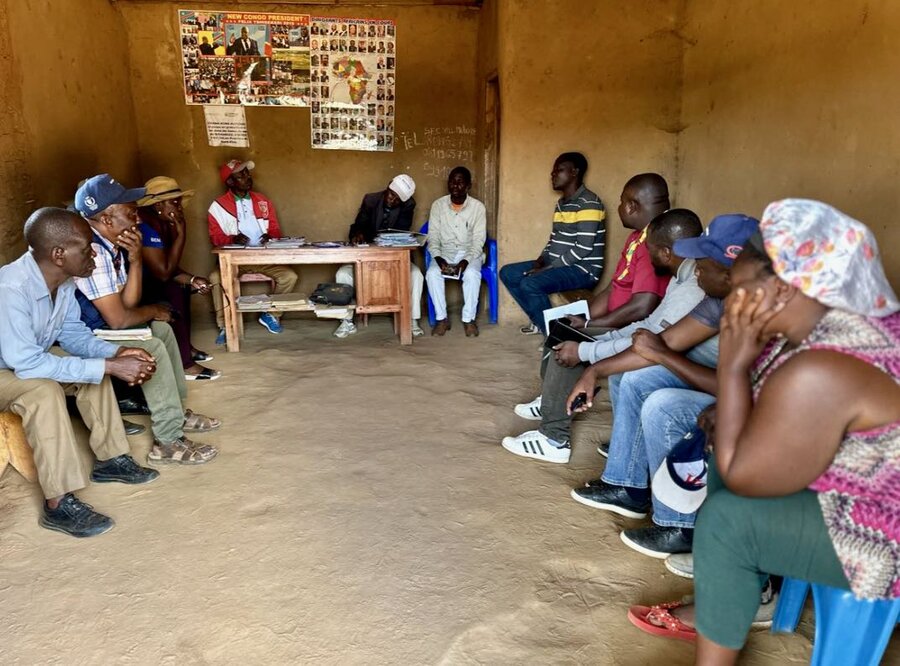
(403, 186)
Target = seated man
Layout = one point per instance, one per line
(550, 442)
(636, 287)
(244, 217)
(457, 229)
(663, 390)
(109, 298)
(573, 257)
(38, 309)
(392, 208)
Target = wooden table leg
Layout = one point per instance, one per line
(405, 314)
(228, 273)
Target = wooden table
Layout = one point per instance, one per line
(382, 281)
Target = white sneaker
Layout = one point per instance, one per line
(417, 331)
(529, 329)
(346, 328)
(533, 444)
(529, 410)
(681, 564)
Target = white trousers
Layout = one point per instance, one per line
(345, 275)
(471, 288)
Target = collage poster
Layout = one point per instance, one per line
(352, 83)
(245, 58)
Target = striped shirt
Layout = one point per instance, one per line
(579, 233)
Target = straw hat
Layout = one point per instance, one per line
(163, 188)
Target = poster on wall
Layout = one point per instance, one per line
(245, 58)
(353, 65)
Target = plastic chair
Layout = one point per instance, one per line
(848, 630)
(489, 273)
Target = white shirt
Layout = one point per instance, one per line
(451, 233)
(247, 222)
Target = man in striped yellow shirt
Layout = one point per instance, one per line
(573, 256)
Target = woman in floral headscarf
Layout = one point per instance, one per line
(810, 454)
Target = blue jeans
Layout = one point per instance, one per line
(652, 411)
(532, 291)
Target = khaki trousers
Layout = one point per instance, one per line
(285, 280)
(42, 405)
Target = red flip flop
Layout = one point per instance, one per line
(657, 620)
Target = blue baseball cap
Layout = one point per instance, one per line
(722, 241)
(98, 193)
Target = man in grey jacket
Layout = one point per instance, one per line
(682, 295)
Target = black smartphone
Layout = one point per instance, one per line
(581, 399)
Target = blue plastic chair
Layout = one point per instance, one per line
(848, 630)
(490, 273)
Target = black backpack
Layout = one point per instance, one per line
(329, 293)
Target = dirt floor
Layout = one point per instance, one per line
(361, 511)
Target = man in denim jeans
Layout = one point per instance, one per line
(573, 257)
(657, 391)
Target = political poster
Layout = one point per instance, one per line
(353, 65)
(245, 58)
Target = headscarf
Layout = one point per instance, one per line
(828, 256)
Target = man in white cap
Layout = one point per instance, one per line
(392, 209)
(242, 216)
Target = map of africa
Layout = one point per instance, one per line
(352, 71)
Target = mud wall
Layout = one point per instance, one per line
(785, 101)
(66, 106)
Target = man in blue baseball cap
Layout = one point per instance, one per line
(110, 299)
(658, 388)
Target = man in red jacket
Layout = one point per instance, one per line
(244, 217)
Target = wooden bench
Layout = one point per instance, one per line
(14, 448)
(566, 297)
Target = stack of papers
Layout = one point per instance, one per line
(286, 243)
(142, 333)
(256, 302)
(333, 311)
(288, 300)
(396, 239)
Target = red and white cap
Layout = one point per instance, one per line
(233, 166)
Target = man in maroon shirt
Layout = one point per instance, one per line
(636, 289)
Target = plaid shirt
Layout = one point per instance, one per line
(109, 277)
(110, 273)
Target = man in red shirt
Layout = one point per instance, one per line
(244, 217)
(636, 288)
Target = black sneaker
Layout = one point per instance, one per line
(131, 406)
(132, 428)
(659, 542)
(75, 518)
(122, 469)
(596, 483)
(611, 498)
(603, 449)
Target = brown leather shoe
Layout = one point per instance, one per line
(441, 327)
(471, 329)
